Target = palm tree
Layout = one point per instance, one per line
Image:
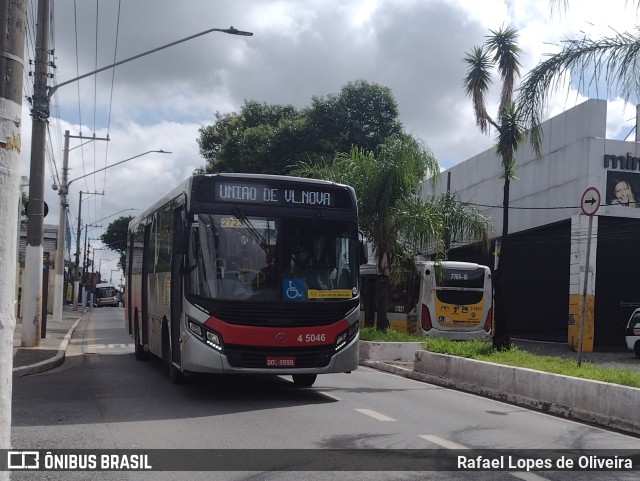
(392, 214)
(614, 59)
(500, 51)
(460, 222)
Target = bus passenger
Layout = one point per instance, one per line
(322, 266)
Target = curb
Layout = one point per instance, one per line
(53, 362)
(623, 425)
(566, 396)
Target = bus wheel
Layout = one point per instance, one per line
(139, 348)
(304, 380)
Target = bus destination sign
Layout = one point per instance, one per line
(309, 196)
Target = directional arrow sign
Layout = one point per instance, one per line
(590, 201)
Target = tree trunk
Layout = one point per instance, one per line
(370, 301)
(383, 300)
(501, 338)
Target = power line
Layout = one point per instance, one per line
(95, 88)
(113, 76)
(522, 208)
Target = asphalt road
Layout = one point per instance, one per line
(102, 398)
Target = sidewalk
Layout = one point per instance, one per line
(614, 356)
(51, 349)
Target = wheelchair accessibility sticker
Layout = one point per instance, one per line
(293, 289)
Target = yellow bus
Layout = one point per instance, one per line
(446, 299)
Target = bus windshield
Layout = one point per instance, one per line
(240, 257)
(106, 291)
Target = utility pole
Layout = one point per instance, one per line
(76, 269)
(32, 290)
(58, 292)
(13, 18)
(64, 192)
(77, 280)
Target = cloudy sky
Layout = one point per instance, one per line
(300, 49)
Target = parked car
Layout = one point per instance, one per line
(632, 333)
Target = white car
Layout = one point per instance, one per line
(632, 333)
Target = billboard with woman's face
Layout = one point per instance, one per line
(623, 188)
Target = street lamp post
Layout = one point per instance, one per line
(64, 191)
(32, 291)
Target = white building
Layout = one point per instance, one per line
(49, 246)
(550, 203)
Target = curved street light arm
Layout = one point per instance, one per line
(113, 165)
(230, 30)
(104, 218)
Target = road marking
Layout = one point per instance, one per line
(529, 476)
(109, 346)
(375, 415)
(107, 349)
(445, 443)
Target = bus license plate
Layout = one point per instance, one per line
(278, 361)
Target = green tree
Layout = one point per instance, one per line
(499, 51)
(251, 140)
(460, 222)
(270, 139)
(115, 238)
(613, 59)
(362, 115)
(392, 214)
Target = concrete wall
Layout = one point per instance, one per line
(573, 148)
(50, 292)
(388, 351)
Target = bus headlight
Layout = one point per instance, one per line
(346, 336)
(214, 341)
(210, 338)
(195, 328)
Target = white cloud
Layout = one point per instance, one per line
(299, 50)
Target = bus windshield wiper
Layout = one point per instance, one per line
(251, 228)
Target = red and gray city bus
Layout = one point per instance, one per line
(246, 274)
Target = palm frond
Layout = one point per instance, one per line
(617, 58)
(477, 83)
(511, 137)
(562, 7)
(506, 56)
